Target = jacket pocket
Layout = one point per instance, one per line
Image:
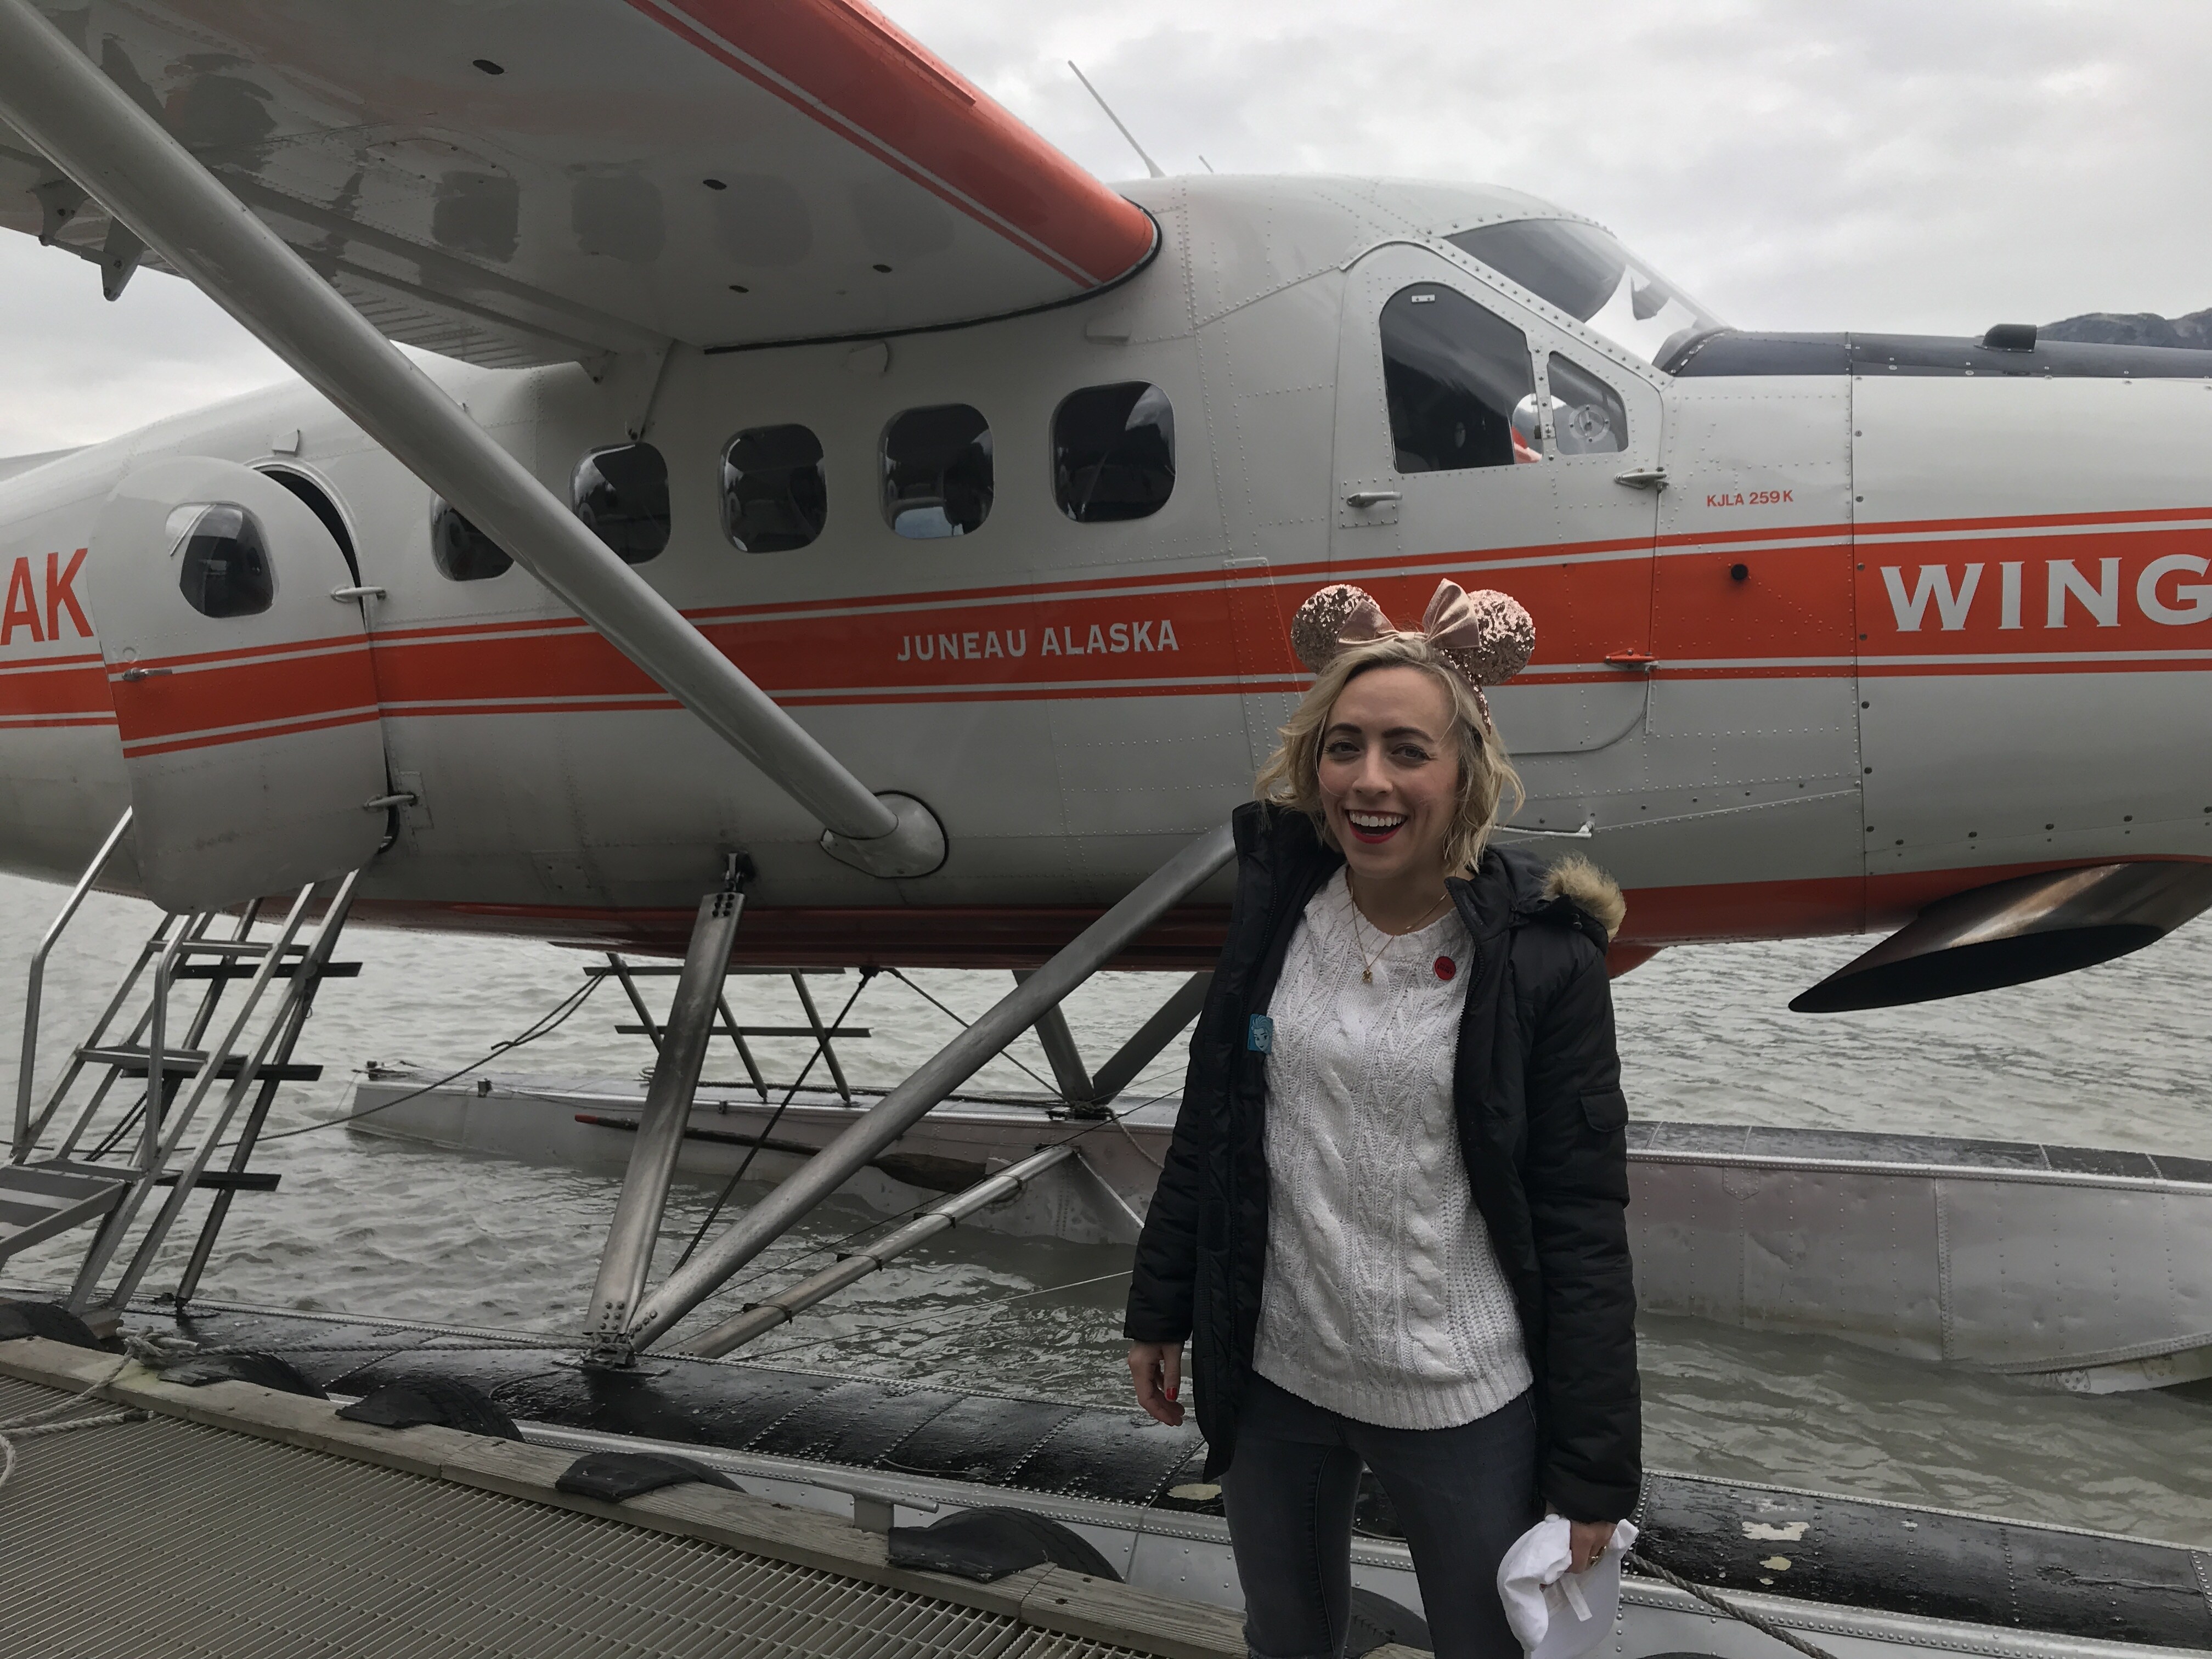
(1606, 1111)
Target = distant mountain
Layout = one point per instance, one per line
(2137, 328)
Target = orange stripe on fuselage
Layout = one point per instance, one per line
(57, 691)
(1799, 612)
(206, 699)
(2036, 600)
(274, 728)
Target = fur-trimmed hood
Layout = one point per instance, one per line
(1523, 885)
(1582, 884)
(1519, 883)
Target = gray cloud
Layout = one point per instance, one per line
(1888, 164)
(79, 369)
(1880, 165)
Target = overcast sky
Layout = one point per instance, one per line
(1934, 165)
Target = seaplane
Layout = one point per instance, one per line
(821, 527)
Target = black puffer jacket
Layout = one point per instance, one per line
(1541, 1119)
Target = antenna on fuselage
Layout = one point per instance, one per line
(1150, 166)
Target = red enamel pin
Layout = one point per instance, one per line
(1446, 968)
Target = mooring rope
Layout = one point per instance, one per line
(150, 1351)
(545, 1025)
(1645, 1564)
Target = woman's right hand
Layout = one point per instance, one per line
(1156, 1370)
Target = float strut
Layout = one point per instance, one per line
(937, 1077)
(945, 1213)
(626, 1261)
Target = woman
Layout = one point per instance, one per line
(1392, 1218)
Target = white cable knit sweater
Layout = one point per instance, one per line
(1383, 1299)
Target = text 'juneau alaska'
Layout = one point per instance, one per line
(1110, 639)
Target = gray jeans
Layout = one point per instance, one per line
(1463, 1496)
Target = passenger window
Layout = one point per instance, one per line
(462, 552)
(1588, 417)
(776, 493)
(623, 493)
(1454, 375)
(937, 471)
(226, 570)
(1112, 452)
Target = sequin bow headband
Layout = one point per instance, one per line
(1487, 637)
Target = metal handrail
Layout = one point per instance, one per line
(156, 943)
(163, 1139)
(301, 986)
(34, 990)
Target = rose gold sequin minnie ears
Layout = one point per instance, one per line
(1487, 635)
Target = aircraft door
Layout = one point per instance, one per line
(244, 693)
(1475, 442)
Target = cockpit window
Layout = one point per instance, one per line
(1588, 416)
(1585, 273)
(225, 570)
(1454, 375)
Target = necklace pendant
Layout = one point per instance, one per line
(1367, 976)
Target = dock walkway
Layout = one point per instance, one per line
(238, 1520)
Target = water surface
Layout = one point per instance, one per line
(2111, 1057)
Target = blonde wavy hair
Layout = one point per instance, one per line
(1292, 776)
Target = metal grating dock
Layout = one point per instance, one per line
(168, 1536)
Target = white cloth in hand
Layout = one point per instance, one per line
(1556, 1614)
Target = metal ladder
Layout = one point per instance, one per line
(118, 1146)
(627, 975)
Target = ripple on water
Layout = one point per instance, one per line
(2112, 1056)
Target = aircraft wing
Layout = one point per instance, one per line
(520, 181)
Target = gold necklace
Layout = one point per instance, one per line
(1370, 963)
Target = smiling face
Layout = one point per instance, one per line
(1390, 776)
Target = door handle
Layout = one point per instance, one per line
(1642, 477)
(134, 675)
(1641, 661)
(356, 593)
(1371, 497)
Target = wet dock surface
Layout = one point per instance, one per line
(240, 1522)
(1906, 1560)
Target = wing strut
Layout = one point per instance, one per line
(93, 131)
